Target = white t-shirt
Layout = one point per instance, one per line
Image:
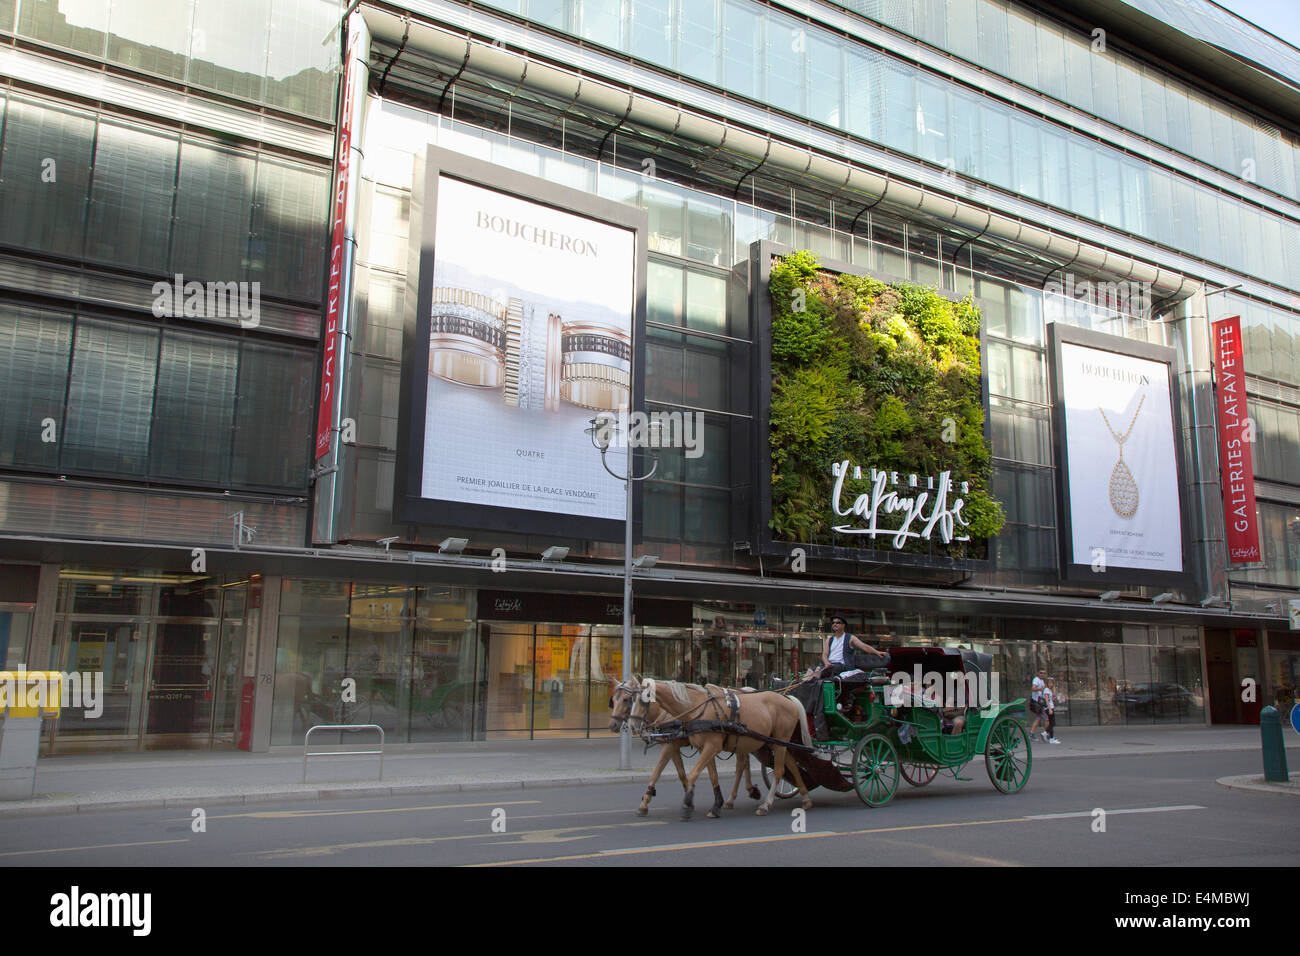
(838, 646)
(1039, 687)
(1049, 699)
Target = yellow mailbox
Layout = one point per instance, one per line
(30, 693)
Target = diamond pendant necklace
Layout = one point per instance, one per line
(1123, 488)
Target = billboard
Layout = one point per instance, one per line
(871, 435)
(1241, 521)
(1120, 474)
(528, 313)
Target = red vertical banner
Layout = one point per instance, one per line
(1236, 463)
(338, 248)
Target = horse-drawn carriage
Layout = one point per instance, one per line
(881, 730)
(878, 727)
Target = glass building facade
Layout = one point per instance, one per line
(226, 584)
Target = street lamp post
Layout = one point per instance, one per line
(601, 432)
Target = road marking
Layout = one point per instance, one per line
(819, 835)
(494, 839)
(544, 816)
(296, 814)
(100, 846)
(1088, 813)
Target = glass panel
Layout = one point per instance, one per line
(110, 398)
(509, 652)
(652, 32)
(194, 408)
(47, 154)
(150, 36)
(602, 22)
(664, 294)
(697, 51)
(75, 24)
(15, 634)
(826, 77)
(741, 46)
(274, 402)
(287, 246)
(706, 303)
(228, 48)
(299, 66)
(131, 201)
(213, 209)
(311, 659)
(786, 42)
(33, 383)
(560, 691)
(119, 649)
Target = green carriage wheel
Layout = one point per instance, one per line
(1007, 755)
(875, 770)
(918, 774)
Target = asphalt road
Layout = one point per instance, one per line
(1160, 810)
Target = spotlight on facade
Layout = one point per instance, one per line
(1164, 597)
(452, 545)
(387, 542)
(1213, 602)
(555, 553)
(646, 561)
(1109, 595)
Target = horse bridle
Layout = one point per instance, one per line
(623, 688)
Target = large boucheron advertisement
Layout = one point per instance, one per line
(530, 302)
(1120, 471)
(1235, 459)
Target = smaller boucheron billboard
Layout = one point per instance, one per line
(1120, 471)
(525, 320)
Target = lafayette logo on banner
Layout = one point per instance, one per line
(342, 187)
(1235, 463)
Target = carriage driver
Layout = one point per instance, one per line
(835, 646)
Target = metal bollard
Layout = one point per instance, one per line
(1270, 739)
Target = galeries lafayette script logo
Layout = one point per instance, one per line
(908, 497)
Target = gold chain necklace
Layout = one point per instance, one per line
(1123, 488)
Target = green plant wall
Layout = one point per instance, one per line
(885, 376)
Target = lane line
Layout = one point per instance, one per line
(547, 816)
(1088, 813)
(821, 835)
(100, 846)
(307, 814)
(563, 835)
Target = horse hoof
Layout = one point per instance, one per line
(754, 794)
(642, 811)
(761, 811)
(728, 805)
(687, 813)
(713, 814)
(807, 803)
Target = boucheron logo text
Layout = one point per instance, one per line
(536, 234)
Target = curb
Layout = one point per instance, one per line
(66, 806)
(1255, 783)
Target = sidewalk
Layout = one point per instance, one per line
(72, 784)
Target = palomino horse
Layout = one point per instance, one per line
(766, 713)
(620, 709)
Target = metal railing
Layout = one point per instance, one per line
(342, 753)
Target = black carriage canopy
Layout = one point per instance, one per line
(915, 662)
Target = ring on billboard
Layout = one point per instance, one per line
(467, 338)
(597, 366)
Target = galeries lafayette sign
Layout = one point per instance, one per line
(898, 505)
(1236, 466)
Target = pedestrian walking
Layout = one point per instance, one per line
(1049, 701)
(1036, 706)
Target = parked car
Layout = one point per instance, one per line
(1155, 698)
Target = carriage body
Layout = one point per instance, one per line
(929, 710)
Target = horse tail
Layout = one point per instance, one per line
(803, 724)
